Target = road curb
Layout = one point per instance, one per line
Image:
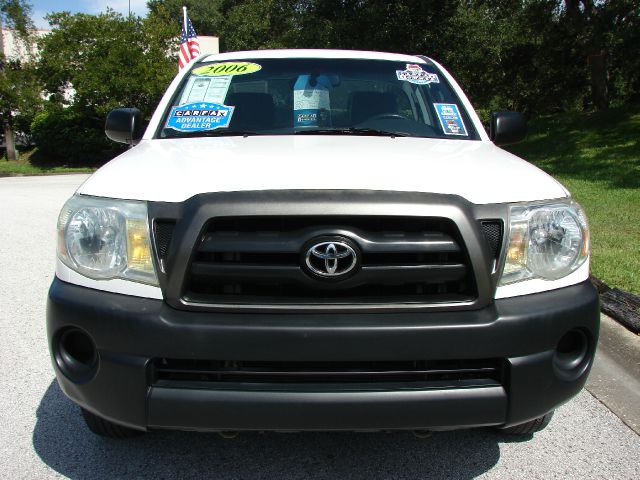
(623, 307)
(615, 375)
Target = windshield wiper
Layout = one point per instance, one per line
(214, 133)
(352, 131)
(317, 131)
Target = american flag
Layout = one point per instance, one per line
(189, 46)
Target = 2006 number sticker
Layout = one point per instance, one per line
(227, 68)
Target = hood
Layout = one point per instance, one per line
(173, 170)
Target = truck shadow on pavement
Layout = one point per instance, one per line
(63, 442)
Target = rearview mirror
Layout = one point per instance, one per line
(507, 128)
(124, 125)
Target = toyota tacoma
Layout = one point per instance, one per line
(319, 240)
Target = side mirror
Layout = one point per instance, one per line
(507, 128)
(124, 125)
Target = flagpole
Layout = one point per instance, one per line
(189, 45)
(184, 11)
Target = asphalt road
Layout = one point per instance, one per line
(42, 434)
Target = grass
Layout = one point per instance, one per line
(597, 157)
(27, 166)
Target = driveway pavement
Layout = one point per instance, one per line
(42, 434)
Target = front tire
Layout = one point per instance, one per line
(529, 427)
(105, 428)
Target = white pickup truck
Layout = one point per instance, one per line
(319, 240)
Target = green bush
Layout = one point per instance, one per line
(67, 136)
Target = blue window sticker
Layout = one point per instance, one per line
(413, 73)
(199, 116)
(450, 119)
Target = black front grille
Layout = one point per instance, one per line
(258, 260)
(215, 372)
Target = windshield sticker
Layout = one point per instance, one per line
(206, 89)
(415, 74)
(311, 104)
(450, 119)
(227, 68)
(218, 88)
(197, 117)
(196, 89)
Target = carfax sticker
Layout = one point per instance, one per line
(310, 117)
(415, 74)
(450, 119)
(196, 117)
(227, 68)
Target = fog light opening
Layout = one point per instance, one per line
(571, 355)
(76, 355)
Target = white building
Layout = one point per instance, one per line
(14, 48)
(209, 45)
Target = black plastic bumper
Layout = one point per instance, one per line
(129, 332)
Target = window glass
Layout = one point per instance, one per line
(316, 96)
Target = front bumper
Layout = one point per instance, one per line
(131, 333)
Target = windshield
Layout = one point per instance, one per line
(314, 97)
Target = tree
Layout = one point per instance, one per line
(91, 64)
(240, 25)
(108, 60)
(14, 14)
(624, 47)
(19, 98)
(606, 33)
(253, 25)
(206, 16)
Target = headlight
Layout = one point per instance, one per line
(105, 239)
(545, 241)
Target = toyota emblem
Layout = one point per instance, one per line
(331, 258)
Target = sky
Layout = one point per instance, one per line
(43, 7)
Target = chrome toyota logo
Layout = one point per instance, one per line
(331, 258)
